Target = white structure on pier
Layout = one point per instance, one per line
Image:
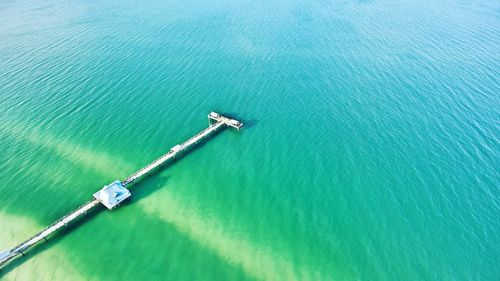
(228, 121)
(112, 195)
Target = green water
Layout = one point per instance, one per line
(370, 152)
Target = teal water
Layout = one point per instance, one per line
(371, 147)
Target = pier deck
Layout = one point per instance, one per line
(22, 247)
(173, 152)
(216, 122)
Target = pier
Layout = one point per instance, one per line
(112, 195)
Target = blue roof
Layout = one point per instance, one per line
(112, 194)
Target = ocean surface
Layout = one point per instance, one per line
(370, 149)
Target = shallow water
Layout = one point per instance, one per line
(370, 150)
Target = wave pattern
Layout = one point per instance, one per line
(370, 150)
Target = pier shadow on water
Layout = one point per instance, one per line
(145, 188)
(50, 242)
(250, 123)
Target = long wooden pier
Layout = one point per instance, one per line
(112, 195)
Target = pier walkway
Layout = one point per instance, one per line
(113, 194)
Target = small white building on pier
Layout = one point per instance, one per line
(112, 195)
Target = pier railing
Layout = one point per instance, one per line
(19, 249)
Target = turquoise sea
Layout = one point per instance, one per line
(370, 149)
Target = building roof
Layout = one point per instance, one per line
(112, 195)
